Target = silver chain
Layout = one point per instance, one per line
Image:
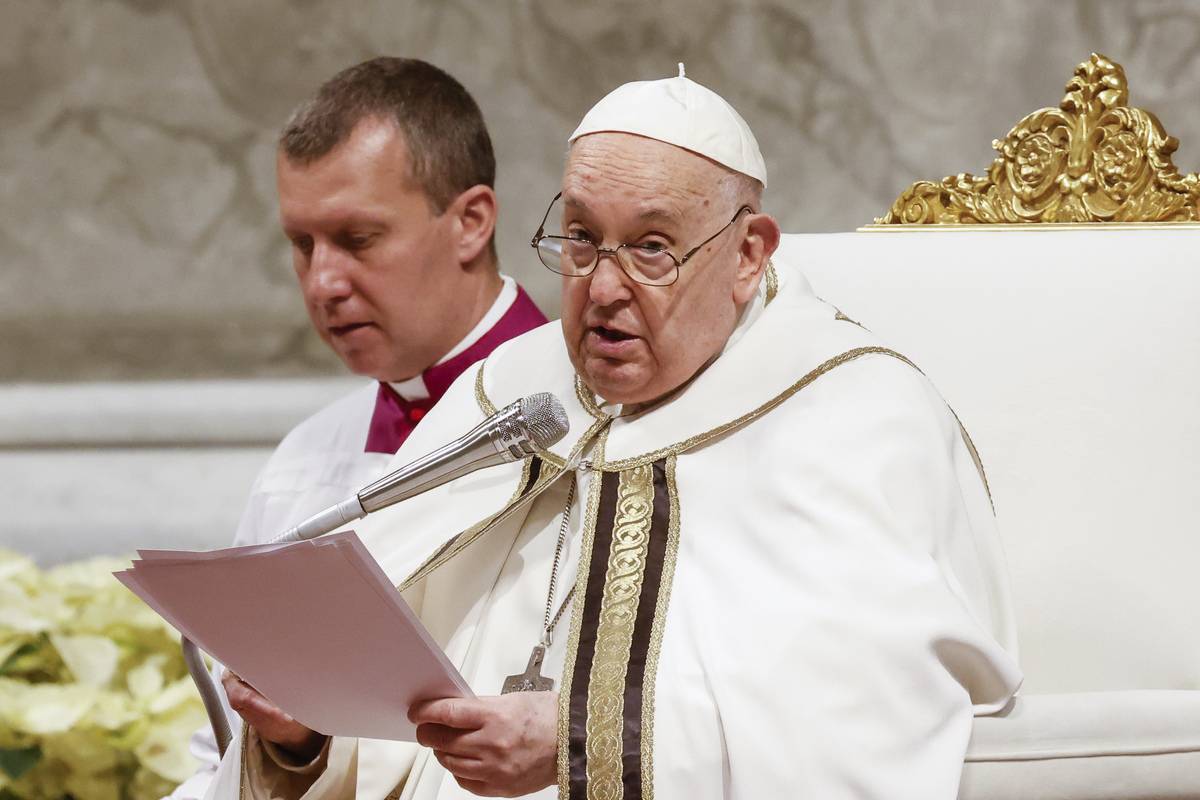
(549, 622)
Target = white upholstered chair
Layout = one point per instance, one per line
(1072, 354)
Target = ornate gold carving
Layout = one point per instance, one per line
(1092, 159)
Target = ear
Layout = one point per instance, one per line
(757, 244)
(474, 212)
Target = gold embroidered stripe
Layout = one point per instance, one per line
(670, 552)
(614, 636)
(639, 677)
(614, 654)
(567, 693)
(593, 569)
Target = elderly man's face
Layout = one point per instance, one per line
(633, 343)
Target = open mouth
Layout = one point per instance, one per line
(342, 330)
(611, 335)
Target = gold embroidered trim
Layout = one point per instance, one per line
(614, 631)
(650, 679)
(772, 279)
(244, 766)
(587, 399)
(463, 540)
(975, 457)
(700, 438)
(841, 317)
(581, 581)
(553, 459)
(485, 405)
(559, 463)
(515, 503)
(687, 444)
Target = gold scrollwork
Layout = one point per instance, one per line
(614, 633)
(1092, 159)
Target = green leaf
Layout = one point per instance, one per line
(16, 763)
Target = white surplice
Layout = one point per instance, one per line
(835, 611)
(321, 461)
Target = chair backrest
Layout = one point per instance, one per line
(1072, 354)
(1073, 358)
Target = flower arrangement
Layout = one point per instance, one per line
(95, 700)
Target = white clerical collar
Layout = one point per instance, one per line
(414, 388)
(748, 316)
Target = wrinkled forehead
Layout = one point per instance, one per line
(645, 174)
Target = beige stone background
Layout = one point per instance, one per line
(137, 216)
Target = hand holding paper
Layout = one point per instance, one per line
(502, 746)
(272, 723)
(315, 626)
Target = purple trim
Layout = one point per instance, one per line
(394, 418)
(521, 316)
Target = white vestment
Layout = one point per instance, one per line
(788, 578)
(320, 462)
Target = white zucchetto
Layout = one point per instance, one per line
(681, 112)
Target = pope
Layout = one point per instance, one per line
(762, 564)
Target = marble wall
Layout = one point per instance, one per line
(137, 233)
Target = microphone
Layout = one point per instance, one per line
(512, 433)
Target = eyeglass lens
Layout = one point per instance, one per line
(578, 257)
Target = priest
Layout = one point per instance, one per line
(763, 563)
(385, 182)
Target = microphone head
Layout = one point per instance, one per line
(545, 418)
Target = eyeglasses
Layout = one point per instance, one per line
(651, 265)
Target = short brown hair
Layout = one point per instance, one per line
(448, 143)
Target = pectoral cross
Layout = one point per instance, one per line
(532, 679)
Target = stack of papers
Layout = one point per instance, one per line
(315, 626)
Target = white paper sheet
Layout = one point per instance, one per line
(315, 626)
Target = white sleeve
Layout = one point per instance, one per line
(203, 747)
(852, 665)
(203, 744)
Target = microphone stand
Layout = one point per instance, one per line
(210, 694)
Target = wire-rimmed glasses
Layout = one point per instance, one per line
(575, 257)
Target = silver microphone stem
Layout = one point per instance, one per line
(501, 438)
(498, 440)
(323, 522)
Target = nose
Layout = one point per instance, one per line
(328, 279)
(609, 283)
